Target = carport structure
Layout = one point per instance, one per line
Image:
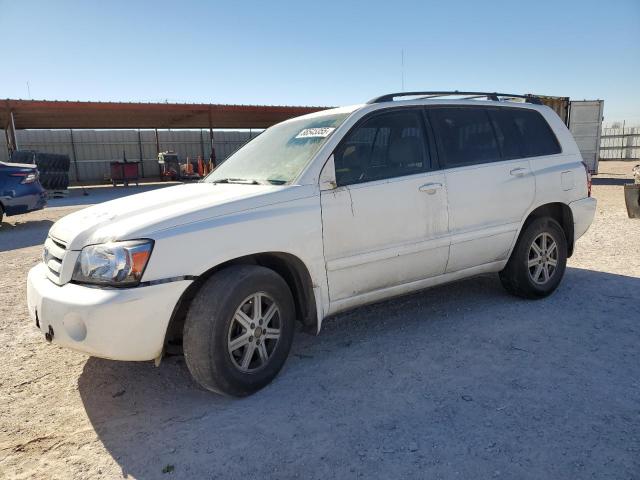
(46, 114)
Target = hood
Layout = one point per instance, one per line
(140, 215)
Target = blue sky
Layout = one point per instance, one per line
(319, 53)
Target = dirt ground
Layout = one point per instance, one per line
(461, 381)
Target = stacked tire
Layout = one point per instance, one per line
(54, 170)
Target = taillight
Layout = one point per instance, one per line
(26, 177)
(586, 169)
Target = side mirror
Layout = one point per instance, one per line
(328, 175)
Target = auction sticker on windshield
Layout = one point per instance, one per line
(315, 132)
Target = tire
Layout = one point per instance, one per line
(213, 325)
(65, 181)
(1, 213)
(54, 180)
(65, 163)
(62, 181)
(45, 180)
(45, 163)
(530, 272)
(52, 162)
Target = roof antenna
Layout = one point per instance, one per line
(402, 67)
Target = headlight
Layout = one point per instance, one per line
(115, 263)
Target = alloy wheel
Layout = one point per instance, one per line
(543, 258)
(254, 332)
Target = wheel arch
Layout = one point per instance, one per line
(293, 270)
(561, 213)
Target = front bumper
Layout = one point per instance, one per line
(583, 212)
(120, 324)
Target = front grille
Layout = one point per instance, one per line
(53, 256)
(58, 243)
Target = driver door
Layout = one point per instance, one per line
(386, 222)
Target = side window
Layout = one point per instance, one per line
(387, 145)
(509, 136)
(538, 138)
(465, 135)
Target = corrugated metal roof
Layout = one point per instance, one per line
(67, 114)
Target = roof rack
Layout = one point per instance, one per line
(470, 95)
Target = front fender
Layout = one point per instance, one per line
(293, 227)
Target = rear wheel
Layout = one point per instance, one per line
(239, 330)
(538, 261)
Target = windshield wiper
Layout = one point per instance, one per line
(245, 181)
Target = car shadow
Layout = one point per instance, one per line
(462, 379)
(23, 234)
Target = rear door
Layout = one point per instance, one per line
(490, 186)
(385, 224)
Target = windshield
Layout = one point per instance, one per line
(278, 155)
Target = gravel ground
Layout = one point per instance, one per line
(461, 381)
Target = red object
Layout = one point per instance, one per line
(124, 172)
(52, 114)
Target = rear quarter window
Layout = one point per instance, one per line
(510, 138)
(534, 133)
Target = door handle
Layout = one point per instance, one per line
(518, 172)
(430, 188)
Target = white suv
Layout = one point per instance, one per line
(318, 214)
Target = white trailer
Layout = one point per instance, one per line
(584, 119)
(585, 123)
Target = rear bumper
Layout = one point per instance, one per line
(24, 203)
(119, 324)
(583, 212)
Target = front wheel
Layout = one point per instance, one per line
(538, 261)
(239, 330)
